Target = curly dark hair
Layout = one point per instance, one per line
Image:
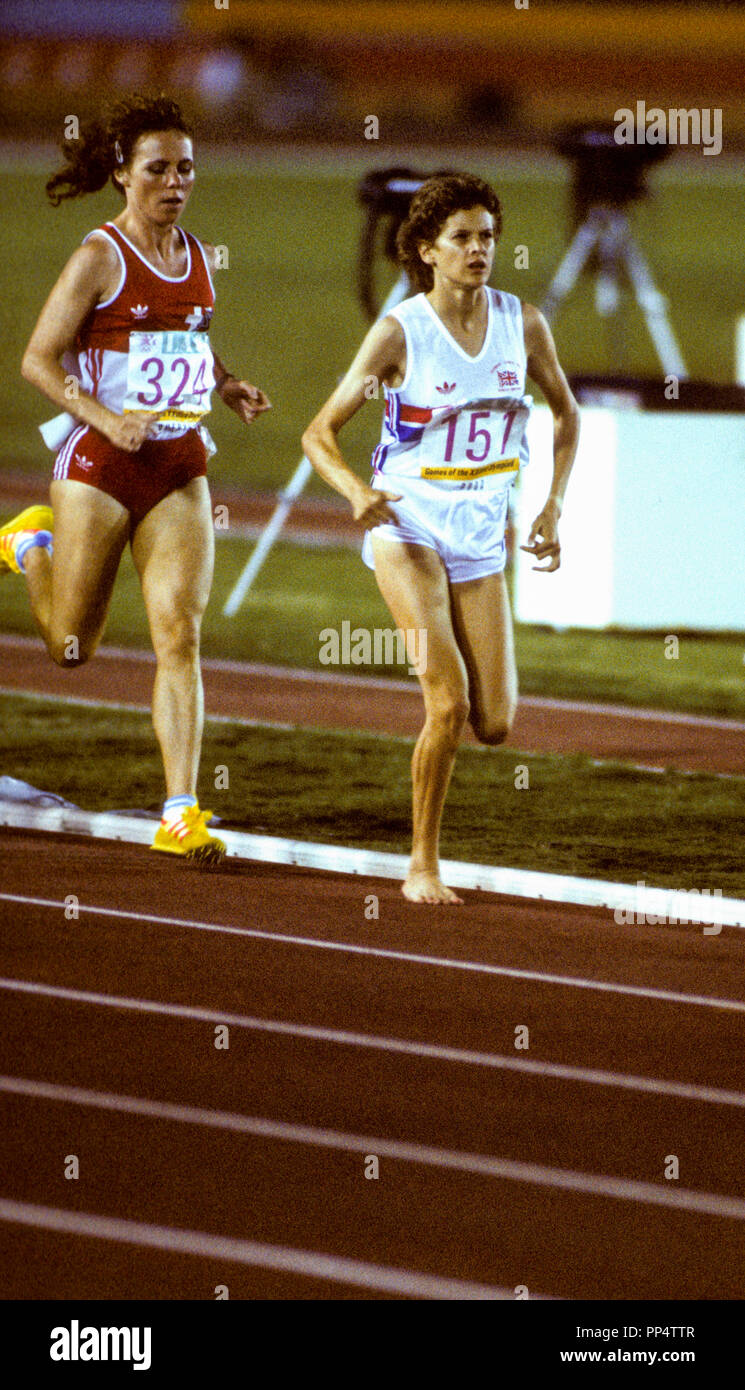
(430, 209)
(104, 145)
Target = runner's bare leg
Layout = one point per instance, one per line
(413, 582)
(482, 620)
(173, 551)
(70, 594)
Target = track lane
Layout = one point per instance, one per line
(488, 1230)
(332, 906)
(474, 1228)
(414, 1098)
(244, 691)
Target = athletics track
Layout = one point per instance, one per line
(322, 699)
(351, 1038)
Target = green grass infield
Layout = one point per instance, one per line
(302, 592)
(574, 816)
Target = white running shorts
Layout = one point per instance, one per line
(465, 527)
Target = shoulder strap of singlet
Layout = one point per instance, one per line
(106, 231)
(197, 244)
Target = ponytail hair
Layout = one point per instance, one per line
(106, 144)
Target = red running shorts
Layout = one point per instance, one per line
(138, 481)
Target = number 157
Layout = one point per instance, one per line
(474, 434)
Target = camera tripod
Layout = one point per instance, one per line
(603, 186)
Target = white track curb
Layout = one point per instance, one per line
(665, 904)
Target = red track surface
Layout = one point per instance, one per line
(264, 693)
(392, 1081)
(416, 1216)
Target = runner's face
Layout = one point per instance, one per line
(159, 176)
(463, 252)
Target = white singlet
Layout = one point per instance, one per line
(453, 437)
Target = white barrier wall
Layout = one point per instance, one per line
(653, 528)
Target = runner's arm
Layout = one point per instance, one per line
(82, 284)
(545, 369)
(380, 359)
(89, 278)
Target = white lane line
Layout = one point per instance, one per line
(131, 708)
(408, 957)
(673, 906)
(647, 716)
(656, 1086)
(284, 1259)
(482, 1165)
(290, 674)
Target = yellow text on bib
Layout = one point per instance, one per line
(501, 466)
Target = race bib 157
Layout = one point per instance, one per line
(471, 441)
(475, 441)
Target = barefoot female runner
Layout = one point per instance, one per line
(128, 318)
(453, 361)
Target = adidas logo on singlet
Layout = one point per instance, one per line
(140, 311)
(445, 389)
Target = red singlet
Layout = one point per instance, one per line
(146, 348)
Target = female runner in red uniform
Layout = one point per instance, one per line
(128, 318)
(453, 360)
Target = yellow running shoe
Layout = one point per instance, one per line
(189, 837)
(22, 528)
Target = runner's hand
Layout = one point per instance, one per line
(129, 432)
(371, 507)
(546, 525)
(246, 400)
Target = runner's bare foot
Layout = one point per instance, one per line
(425, 886)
